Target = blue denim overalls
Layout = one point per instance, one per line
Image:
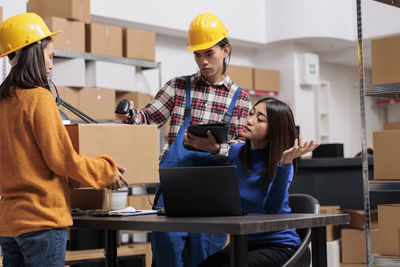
(167, 247)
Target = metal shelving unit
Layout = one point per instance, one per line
(120, 60)
(145, 65)
(388, 90)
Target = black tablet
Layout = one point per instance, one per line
(218, 130)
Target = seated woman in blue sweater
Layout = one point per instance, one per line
(266, 165)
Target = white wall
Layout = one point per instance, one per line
(256, 22)
(289, 19)
(344, 109)
(10, 8)
(174, 16)
(304, 96)
(379, 19)
(279, 57)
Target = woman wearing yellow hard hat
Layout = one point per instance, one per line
(37, 156)
(208, 96)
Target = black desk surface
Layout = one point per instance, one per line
(332, 162)
(251, 223)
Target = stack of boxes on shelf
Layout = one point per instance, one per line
(386, 70)
(258, 82)
(387, 168)
(93, 87)
(353, 239)
(385, 56)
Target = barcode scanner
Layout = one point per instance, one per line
(123, 108)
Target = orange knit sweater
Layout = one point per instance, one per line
(36, 157)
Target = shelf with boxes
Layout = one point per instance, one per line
(385, 90)
(144, 64)
(385, 84)
(258, 83)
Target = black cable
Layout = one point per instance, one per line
(59, 101)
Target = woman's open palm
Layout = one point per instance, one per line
(299, 149)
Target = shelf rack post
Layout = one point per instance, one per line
(365, 175)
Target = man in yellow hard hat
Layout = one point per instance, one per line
(209, 96)
(37, 156)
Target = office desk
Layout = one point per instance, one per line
(238, 227)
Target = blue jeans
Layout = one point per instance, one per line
(178, 249)
(39, 248)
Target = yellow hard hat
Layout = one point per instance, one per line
(205, 31)
(20, 31)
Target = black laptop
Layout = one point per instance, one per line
(200, 191)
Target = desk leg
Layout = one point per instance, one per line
(238, 250)
(111, 248)
(318, 245)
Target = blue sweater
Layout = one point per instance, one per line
(255, 199)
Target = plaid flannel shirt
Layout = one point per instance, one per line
(208, 105)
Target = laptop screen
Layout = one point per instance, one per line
(200, 191)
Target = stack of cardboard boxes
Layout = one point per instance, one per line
(259, 82)
(91, 85)
(387, 168)
(353, 239)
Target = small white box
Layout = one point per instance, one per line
(110, 75)
(69, 72)
(333, 253)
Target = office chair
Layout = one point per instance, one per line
(302, 203)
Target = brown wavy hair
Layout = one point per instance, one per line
(281, 134)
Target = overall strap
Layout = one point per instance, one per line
(188, 113)
(228, 114)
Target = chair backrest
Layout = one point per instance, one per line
(302, 203)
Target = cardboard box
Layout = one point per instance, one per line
(357, 218)
(69, 72)
(266, 80)
(110, 75)
(89, 198)
(385, 55)
(71, 38)
(332, 231)
(387, 155)
(139, 44)
(1, 13)
(242, 76)
(391, 125)
(135, 147)
(71, 96)
(98, 103)
(141, 202)
(388, 224)
(104, 39)
(140, 100)
(69, 9)
(354, 245)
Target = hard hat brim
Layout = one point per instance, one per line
(22, 46)
(198, 47)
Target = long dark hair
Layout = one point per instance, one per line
(224, 42)
(281, 134)
(29, 72)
